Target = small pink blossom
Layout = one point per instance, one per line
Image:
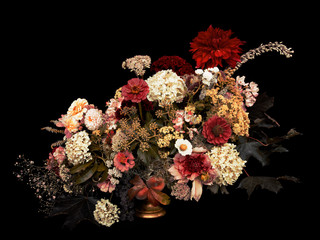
(59, 155)
(106, 186)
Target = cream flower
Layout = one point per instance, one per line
(106, 213)
(93, 119)
(225, 159)
(77, 108)
(77, 148)
(184, 147)
(166, 87)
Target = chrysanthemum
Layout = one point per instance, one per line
(93, 119)
(77, 108)
(226, 160)
(212, 46)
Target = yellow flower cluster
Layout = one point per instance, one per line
(167, 134)
(230, 109)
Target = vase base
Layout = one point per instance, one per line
(147, 210)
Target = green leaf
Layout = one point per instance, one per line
(86, 175)
(80, 167)
(253, 149)
(251, 183)
(77, 208)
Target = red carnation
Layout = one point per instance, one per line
(210, 47)
(216, 130)
(136, 90)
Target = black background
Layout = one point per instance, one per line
(56, 56)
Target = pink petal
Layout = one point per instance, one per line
(196, 190)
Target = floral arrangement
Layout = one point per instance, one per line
(169, 135)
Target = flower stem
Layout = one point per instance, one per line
(140, 111)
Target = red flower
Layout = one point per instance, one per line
(176, 63)
(123, 161)
(210, 47)
(216, 130)
(196, 168)
(151, 190)
(136, 90)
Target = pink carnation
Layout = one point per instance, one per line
(123, 161)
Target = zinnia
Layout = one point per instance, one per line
(136, 90)
(123, 161)
(216, 130)
(210, 47)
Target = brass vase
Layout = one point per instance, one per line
(145, 209)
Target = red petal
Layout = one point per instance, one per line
(142, 194)
(156, 183)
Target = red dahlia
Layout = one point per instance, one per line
(216, 130)
(136, 90)
(210, 47)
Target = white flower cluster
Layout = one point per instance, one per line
(166, 87)
(77, 148)
(225, 159)
(209, 76)
(113, 172)
(93, 119)
(106, 213)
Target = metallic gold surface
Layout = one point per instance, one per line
(146, 210)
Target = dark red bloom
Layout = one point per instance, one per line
(216, 130)
(175, 63)
(136, 90)
(210, 47)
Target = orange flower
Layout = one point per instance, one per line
(77, 108)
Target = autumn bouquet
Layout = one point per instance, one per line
(169, 133)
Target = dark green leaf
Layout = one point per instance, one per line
(86, 175)
(252, 182)
(263, 103)
(77, 209)
(249, 149)
(80, 167)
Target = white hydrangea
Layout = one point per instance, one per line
(166, 87)
(227, 162)
(106, 213)
(77, 148)
(209, 75)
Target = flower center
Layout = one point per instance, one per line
(123, 159)
(183, 147)
(217, 130)
(135, 89)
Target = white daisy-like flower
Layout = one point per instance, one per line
(184, 147)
